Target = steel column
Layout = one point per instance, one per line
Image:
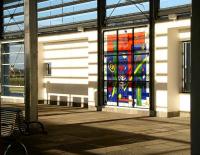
(153, 15)
(195, 83)
(101, 15)
(31, 60)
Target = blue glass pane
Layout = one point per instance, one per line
(56, 11)
(110, 2)
(56, 21)
(128, 9)
(44, 14)
(14, 10)
(14, 28)
(173, 3)
(43, 4)
(44, 23)
(14, 2)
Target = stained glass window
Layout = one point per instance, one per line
(126, 68)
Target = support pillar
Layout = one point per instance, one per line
(153, 15)
(101, 10)
(1, 38)
(31, 60)
(195, 83)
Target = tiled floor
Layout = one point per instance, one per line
(82, 132)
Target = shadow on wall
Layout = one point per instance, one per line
(67, 94)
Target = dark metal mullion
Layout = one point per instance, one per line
(117, 65)
(133, 62)
(104, 72)
(185, 72)
(101, 13)
(183, 67)
(190, 54)
(153, 16)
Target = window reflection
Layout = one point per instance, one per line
(13, 69)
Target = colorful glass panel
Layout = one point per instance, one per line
(127, 69)
(111, 67)
(111, 44)
(111, 91)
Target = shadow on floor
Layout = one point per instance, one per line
(78, 139)
(79, 131)
(82, 138)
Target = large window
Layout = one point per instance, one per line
(121, 9)
(186, 66)
(126, 68)
(13, 16)
(59, 12)
(50, 13)
(173, 3)
(12, 69)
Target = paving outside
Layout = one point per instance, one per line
(75, 131)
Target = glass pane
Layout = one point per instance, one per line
(126, 68)
(14, 18)
(173, 3)
(125, 94)
(111, 93)
(141, 94)
(13, 69)
(110, 42)
(13, 91)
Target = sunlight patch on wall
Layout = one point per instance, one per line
(161, 79)
(161, 68)
(66, 46)
(161, 99)
(161, 55)
(69, 53)
(185, 102)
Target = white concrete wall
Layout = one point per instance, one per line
(173, 70)
(169, 36)
(73, 59)
(40, 72)
(74, 66)
(92, 77)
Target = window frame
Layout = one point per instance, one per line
(186, 77)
